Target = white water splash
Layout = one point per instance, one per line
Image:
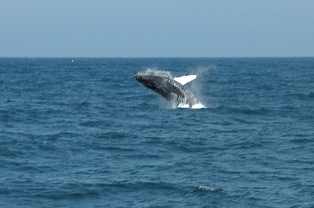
(198, 106)
(195, 106)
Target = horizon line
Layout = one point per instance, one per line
(156, 57)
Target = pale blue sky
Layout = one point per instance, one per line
(156, 28)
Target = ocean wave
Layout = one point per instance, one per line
(245, 110)
(89, 137)
(67, 195)
(113, 135)
(303, 96)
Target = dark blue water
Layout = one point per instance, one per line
(84, 133)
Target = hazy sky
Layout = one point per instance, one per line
(156, 28)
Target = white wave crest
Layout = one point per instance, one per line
(195, 106)
(206, 188)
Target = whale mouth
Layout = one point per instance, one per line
(137, 76)
(142, 78)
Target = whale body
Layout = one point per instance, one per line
(171, 88)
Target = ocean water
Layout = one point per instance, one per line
(82, 132)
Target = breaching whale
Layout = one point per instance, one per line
(170, 88)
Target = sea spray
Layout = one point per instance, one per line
(153, 71)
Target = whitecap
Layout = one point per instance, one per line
(206, 188)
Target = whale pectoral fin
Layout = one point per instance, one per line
(185, 79)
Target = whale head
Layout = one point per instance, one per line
(150, 80)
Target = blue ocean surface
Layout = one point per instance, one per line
(82, 132)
